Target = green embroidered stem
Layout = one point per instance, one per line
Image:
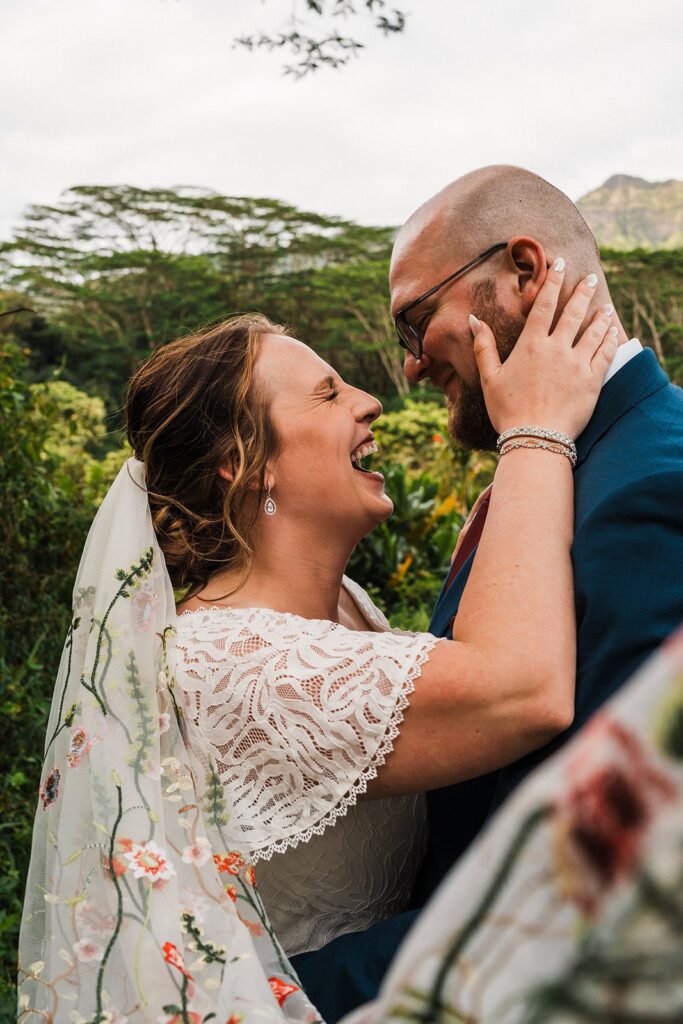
(142, 931)
(98, 1018)
(434, 1008)
(137, 571)
(143, 740)
(214, 806)
(70, 644)
(209, 952)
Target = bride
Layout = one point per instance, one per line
(275, 718)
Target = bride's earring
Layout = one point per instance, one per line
(270, 508)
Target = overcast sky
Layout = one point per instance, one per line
(151, 92)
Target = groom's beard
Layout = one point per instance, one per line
(468, 420)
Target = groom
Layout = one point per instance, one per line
(483, 246)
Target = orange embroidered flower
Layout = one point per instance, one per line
(232, 892)
(119, 866)
(236, 1018)
(233, 863)
(173, 957)
(147, 860)
(250, 875)
(281, 989)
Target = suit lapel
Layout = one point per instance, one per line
(640, 377)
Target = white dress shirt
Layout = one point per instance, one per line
(625, 353)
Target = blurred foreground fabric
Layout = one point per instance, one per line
(570, 905)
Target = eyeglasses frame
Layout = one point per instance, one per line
(400, 322)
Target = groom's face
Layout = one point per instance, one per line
(442, 321)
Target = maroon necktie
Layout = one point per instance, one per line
(470, 540)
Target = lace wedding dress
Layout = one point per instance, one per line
(300, 713)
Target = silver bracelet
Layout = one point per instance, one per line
(557, 447)
(540, 432)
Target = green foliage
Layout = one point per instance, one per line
(43, 522)
(403, 561)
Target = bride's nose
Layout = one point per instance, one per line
(369, 408)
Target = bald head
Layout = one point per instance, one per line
(494, 204)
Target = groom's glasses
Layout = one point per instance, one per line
(411, 339)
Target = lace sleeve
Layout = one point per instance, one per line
(300, 713)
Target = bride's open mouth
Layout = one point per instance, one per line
(361, 452)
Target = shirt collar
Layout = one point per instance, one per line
(625, 353)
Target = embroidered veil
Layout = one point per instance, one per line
(140, 904)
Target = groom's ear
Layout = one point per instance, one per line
(528, 263)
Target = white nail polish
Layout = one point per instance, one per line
(474, 324)
(558, 265)
(613, 331)
(592, 280)
(608, 309)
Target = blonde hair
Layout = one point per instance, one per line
(193, 407)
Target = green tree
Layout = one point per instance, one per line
(115, 271)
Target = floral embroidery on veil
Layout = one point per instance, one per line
(140, 902)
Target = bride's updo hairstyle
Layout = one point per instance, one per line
(193, 407)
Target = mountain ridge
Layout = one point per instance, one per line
(627, 212)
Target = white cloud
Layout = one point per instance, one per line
(151, 92)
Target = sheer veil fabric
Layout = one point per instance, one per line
(140, 903)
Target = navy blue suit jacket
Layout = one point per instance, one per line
(628, 568)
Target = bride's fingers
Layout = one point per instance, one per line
(593, 336)
(485, 349)
(575, 310)
(541, 314)
(605, 353)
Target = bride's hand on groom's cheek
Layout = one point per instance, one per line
(550, 379)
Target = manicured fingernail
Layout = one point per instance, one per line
(592, 280)
(474, 324)
(608, 309)
(613, 331)
(558, 265)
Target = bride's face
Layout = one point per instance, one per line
(320, 423)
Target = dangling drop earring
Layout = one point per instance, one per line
(270, 508)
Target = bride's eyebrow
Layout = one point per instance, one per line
(326, 384)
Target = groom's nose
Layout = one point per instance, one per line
(414, 369)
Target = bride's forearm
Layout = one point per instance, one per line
(518, 607)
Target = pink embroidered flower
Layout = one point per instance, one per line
(144, 605)
(164, 722)
(87, 950)
(50, 790)
(91, 918)
(147, 860)
(281, 989)
(198, 852)
(232, 863)
(173, 956)
(604, 814)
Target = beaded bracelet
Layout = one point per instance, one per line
(558, 447)
(540, 432)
